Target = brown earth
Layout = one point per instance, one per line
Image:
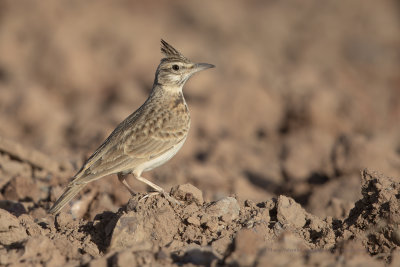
(305, 97)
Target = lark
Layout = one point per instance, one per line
(147, 138)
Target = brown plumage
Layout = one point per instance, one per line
(148, 137)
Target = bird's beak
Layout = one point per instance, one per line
(202, 66)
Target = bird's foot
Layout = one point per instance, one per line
(149, 195)
(171, 199)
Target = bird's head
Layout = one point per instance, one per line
(175, 69)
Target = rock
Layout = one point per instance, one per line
(125, 258)
(221, 245)
(32, 228)
(13, 168)
(379, 210)
(288, 250)
(22, 187)
(90, 248)
(211, 222)
(154, 220)
(41, 249)
(25, 154)
(247, 246)
(290, 212)
(65, 220)
(355, 254)
(69, 248)
(10, 257)
(193, 220)
(10, 229)
(130, 231)
(189, 193)
(226, 209)
(99, 262)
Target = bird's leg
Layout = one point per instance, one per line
(158, 189)
(152, 185)
(122, 179)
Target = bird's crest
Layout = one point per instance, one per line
(170, 52)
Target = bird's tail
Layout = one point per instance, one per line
(68, 194)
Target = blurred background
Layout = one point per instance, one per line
(305, 94)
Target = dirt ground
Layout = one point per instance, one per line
(293, 157)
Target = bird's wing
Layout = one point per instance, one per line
(155, 144)
(128, 148)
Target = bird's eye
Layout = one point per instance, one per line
(175, 67)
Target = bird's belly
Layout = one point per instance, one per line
(153, 163)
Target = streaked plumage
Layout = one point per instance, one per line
(147, 138)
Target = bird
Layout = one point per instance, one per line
(148, 137)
